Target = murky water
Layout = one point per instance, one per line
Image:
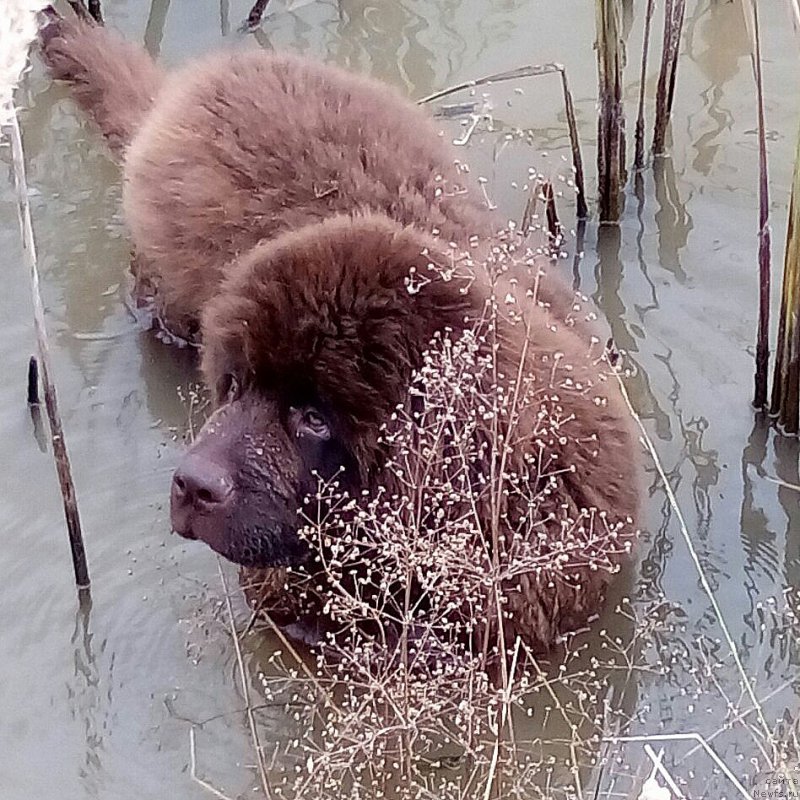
(99, 704)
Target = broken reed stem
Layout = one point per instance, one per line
(256, 14)
(96, 11)
(785, 403)
(687, 737)
(638, 158)
(33, 382)
(50, 399)
(611, 118)
(575, 145)
(535, 71)
(551, 214)
(542, 189)
(251, 720)
(673, 26)
(750, 10)
(80, 10)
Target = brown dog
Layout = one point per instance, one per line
(278, 208)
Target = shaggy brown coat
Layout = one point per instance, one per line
(276, 207)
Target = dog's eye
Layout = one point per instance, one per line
(312, 423)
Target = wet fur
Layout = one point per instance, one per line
(276, 206)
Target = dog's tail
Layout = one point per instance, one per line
(112, 80)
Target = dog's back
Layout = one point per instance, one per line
(241, 146)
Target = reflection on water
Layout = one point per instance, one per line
(84, 695)
(724, 48)
(154, 30)
(97, 703)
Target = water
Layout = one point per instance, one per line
(99, 704)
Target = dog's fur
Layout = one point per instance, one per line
(276, 207)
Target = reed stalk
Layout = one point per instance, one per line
(785, 403)
(611, 119)
(50, 399)
(638, 159)
(750, 9)
(673, 26)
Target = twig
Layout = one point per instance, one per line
(535, 71)
(575, 734)
(50, 399)
(738, 717)
(784, 484)
(193, 771)
(662, 770)
(695, 558)
(504, 718)
(685, 737)
(251, 720)
(528, 71)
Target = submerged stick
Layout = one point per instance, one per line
(51, 403)
(764, 236)
(673, 26)
(535, 71)
(611, 117)
(638, 158)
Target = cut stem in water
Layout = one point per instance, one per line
(665, 94)
(611, 120)
(750, 9)
(786, 376)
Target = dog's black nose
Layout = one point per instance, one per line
(202, 485)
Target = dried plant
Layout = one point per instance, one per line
(419, 664)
